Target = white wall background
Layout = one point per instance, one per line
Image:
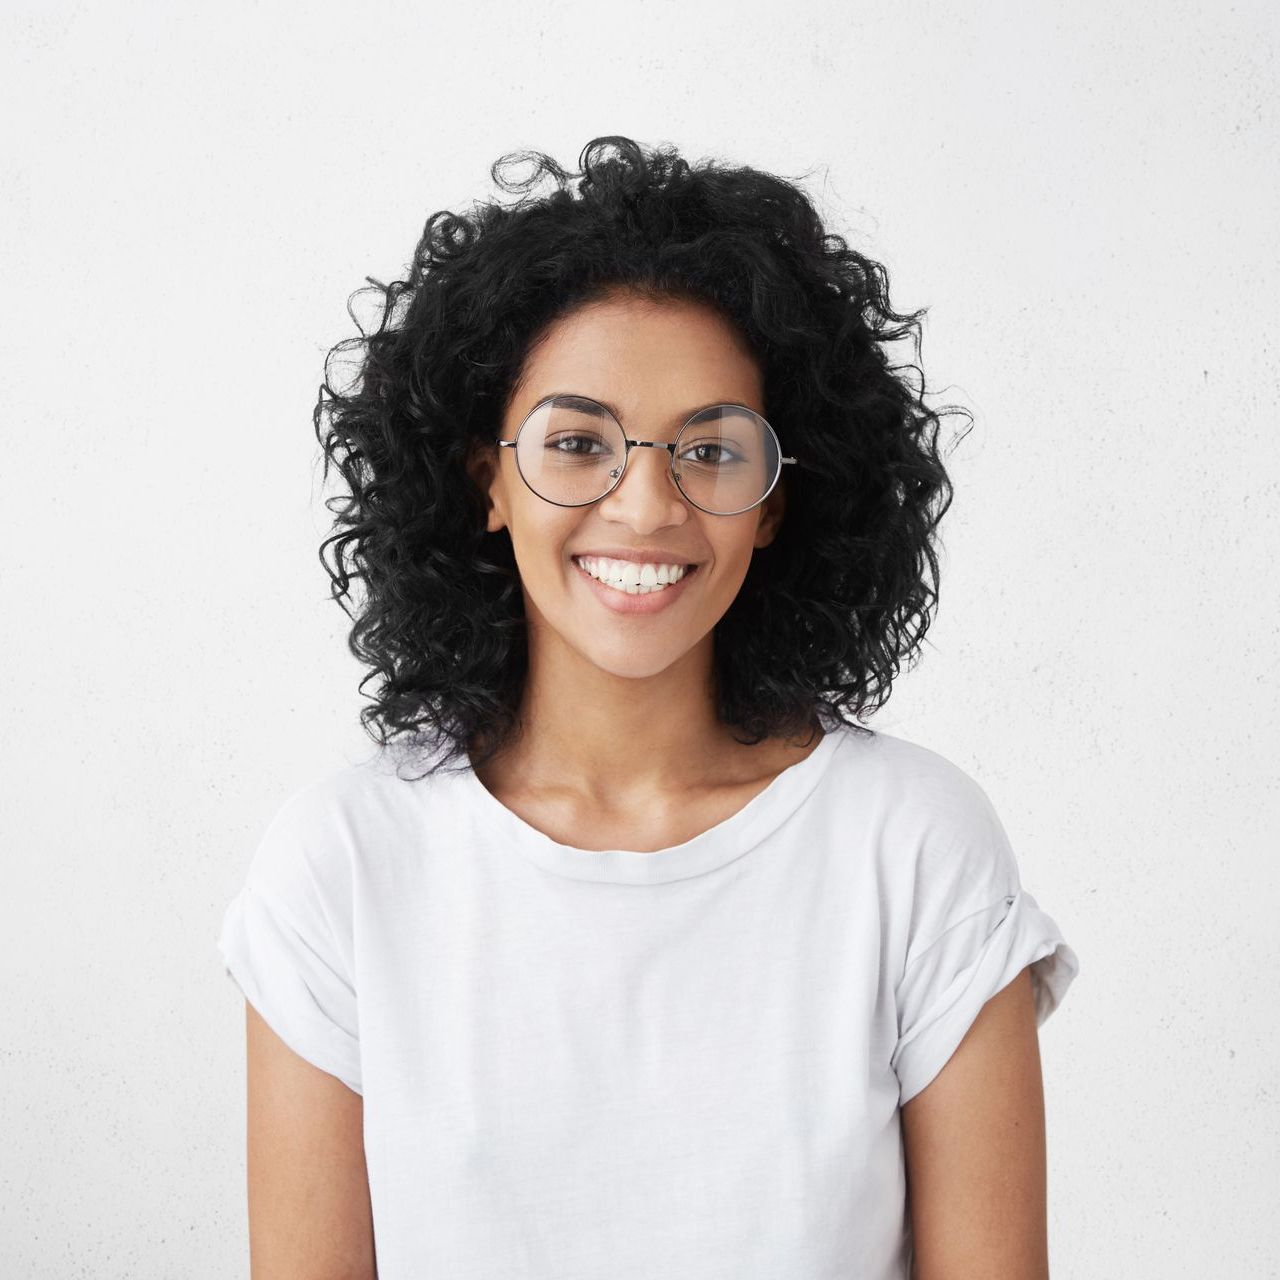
(1085, 196)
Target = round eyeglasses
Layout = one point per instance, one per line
(572, 451)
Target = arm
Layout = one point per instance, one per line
(309, 1208)
(974, 1140)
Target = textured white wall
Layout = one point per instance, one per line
(1085, 196)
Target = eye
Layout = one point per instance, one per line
(575, 444)
(704, 454)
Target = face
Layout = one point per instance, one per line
(655, 363)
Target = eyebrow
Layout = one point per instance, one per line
(583, 404)
(587, 404)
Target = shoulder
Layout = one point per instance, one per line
(321, 833)
(921, 796)
(940, 847)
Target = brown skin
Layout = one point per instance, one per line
(604, 760)
(309, 1207)
(622, 749)
(974, 1140)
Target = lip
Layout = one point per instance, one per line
(622, 602)
(637, 555)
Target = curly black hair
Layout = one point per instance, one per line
(827, 612)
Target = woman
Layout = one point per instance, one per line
(630, 952)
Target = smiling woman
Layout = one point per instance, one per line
(610, 499)
(631, 951)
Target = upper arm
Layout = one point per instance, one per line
(974, 1142)
(309, 1206)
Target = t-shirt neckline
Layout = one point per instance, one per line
(711, 849)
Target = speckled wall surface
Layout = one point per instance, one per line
(1084, 195)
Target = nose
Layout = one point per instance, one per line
(647, 496)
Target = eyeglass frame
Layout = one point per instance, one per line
(669, 446)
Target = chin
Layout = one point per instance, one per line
(638, 661)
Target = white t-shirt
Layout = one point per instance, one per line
(686, 1064)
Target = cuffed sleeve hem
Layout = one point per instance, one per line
(968, 965)
(299, 995)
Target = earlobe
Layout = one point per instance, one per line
(480, 468)
(478, 464)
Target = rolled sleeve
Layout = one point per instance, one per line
(947, 983)
(286, 939)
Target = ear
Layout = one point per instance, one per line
(482, 467)
(771, 510)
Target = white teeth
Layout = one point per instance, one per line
(627, 575)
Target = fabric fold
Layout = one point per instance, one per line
(285, 976)
(945, 986)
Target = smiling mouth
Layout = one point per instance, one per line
(627, 586)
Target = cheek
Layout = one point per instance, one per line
(541, 542)
(733, 555)
(738, 562)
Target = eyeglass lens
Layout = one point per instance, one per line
(571, 451)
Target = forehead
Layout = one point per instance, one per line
(642, 355)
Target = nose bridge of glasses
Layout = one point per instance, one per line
(663, 447)
(636, 453)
